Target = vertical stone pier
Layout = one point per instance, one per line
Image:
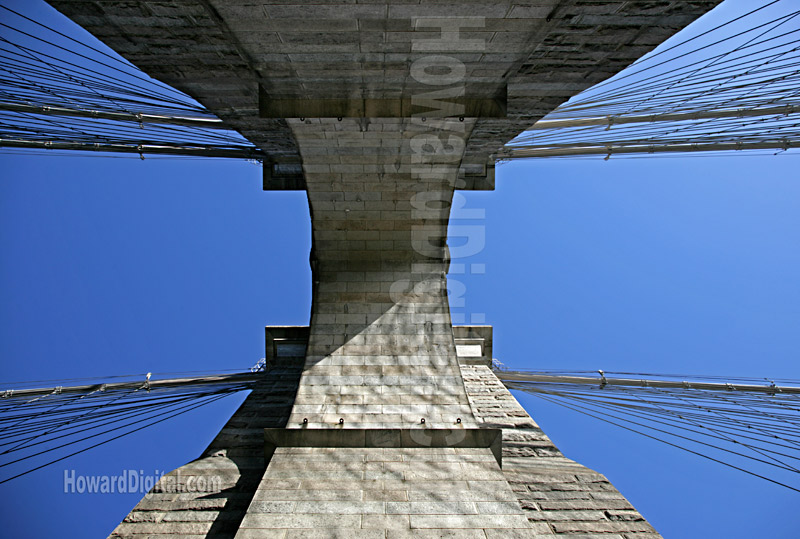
(381, 360)
(381, 351)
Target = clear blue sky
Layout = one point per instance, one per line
(689, 265)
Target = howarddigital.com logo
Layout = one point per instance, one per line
(135, 481)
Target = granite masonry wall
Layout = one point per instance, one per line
(229, 470)
(556, 493)
(385, 492)
(535, 54)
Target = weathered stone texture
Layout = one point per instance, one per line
(210, 495)
(552, 489)
(381, 351)
(538, 53)
(384, 492)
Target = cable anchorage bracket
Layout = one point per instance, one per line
(773, 387)
(260, 366)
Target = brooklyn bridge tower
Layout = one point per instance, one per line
(382, 419)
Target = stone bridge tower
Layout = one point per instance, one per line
(375, 425)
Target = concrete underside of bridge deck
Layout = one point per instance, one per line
(381, 111)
